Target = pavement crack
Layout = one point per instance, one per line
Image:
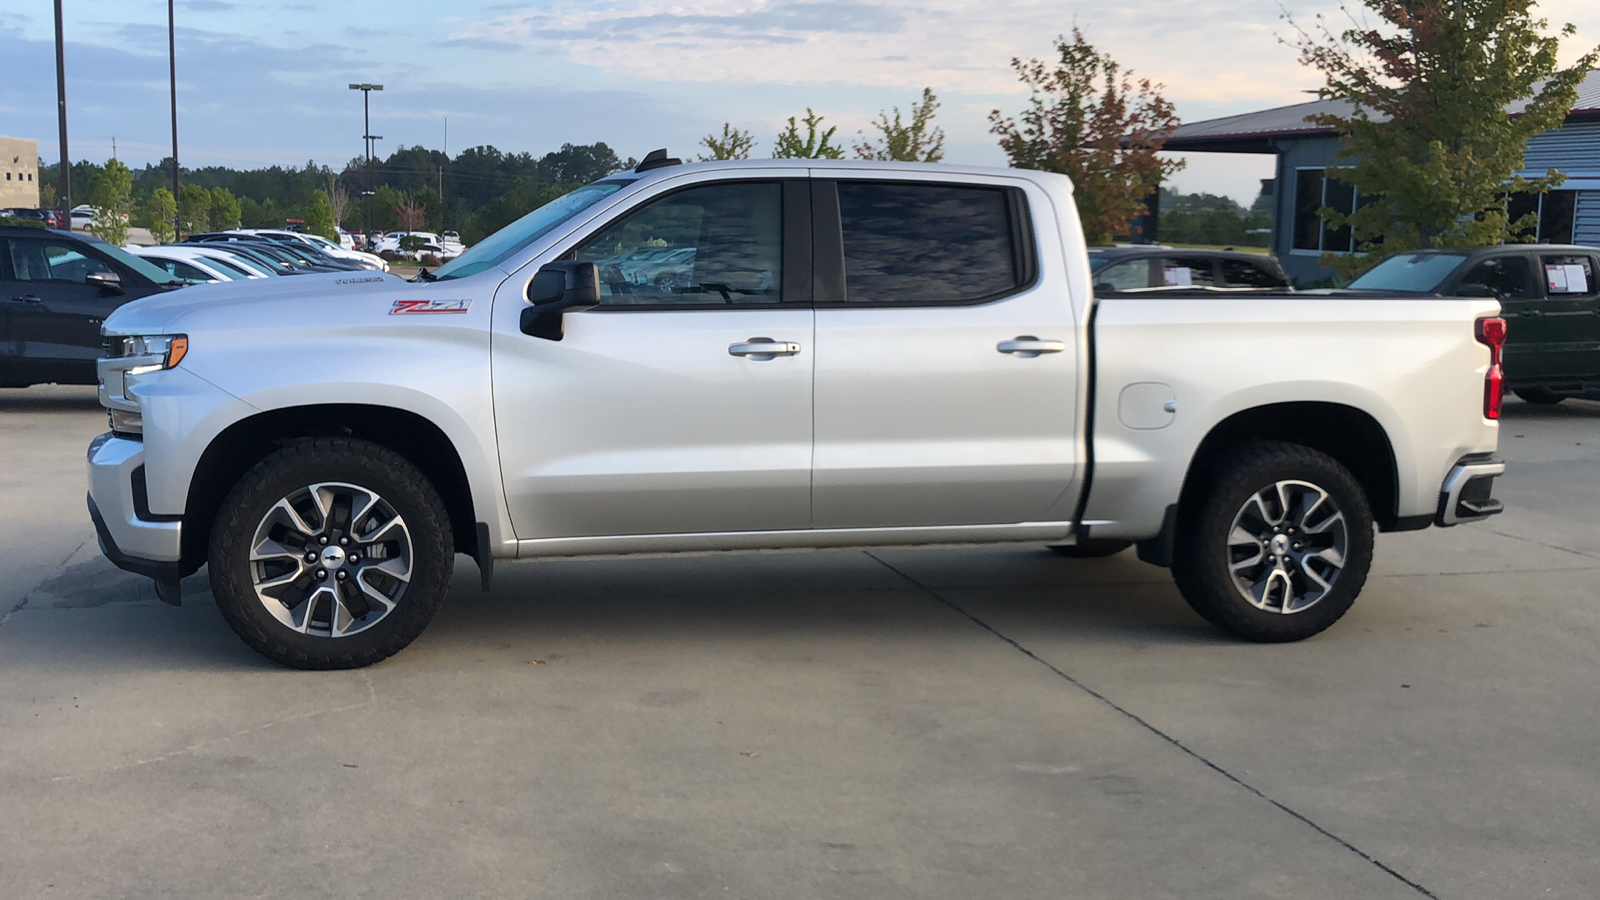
(371, 699)
(21, 604)
(1159, 733)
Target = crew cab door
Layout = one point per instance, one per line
(1571, 311)
(947, 355)
(681, 404)
(52, 312)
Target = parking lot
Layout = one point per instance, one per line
(928, 723)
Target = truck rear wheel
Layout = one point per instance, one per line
(331, 554)
(1278, 546)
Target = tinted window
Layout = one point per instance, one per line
(721, 243)
(1507, 276)
(1132, 275)
(50, 261)
(922, 243)
(1244, 273)
(1417, 272)
(1187, 271)
(1569, 275)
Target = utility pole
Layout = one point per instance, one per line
(172, 77)
(61, 114)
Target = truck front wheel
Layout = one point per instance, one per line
(331, 554)
(1279, 544)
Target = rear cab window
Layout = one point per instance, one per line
(1568, 275)
(1247, 273)
(932, 243)
(1188, 271)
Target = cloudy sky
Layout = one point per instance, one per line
(263, 82)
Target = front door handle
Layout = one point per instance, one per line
(763, 348)
(1027, 346)
(27, 298)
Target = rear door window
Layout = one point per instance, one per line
(1246, 273)
(1188, 271)
(1569, 275)
(928, 243)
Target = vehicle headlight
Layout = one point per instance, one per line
(149, 352)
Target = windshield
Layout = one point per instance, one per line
(498, 247)
(225, 267)
(138, 264)
(1419, 273)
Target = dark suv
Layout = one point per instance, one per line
(1129, 271)
(56, 287)
(1549, 296)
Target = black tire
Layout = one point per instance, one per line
(1094, 548)
(1202, 552)
(403, 490)
(1540, 395)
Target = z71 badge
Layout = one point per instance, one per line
(428, 307)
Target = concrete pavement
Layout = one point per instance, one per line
(896, 723)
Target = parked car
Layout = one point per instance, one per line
(1549, 296)
(1120, 271)
(83, 215)
(865, 354)
(321, 244)
(26, 214)
(184, 263)
(299, 256)
(56, 287)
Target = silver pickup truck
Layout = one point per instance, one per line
(775, 354)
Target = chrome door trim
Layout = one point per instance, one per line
(611, 545)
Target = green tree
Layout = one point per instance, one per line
(790, 145)
(432, 210)
(319, 216)
(225, 211)
(159, 211)
(733, 143)
(916, 141)
(1428, 140)
(194, 209)
(111, 192)
(1091, 120)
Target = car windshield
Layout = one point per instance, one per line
(1418, 273)
(142, 266)
(498, 247)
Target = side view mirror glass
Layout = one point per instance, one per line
(559, 288)
(108, 281)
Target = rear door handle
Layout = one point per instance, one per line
(763, 348)
(1027, 346)
(27, 298)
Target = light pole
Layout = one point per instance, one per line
(61, 114)
(366, 108)
(367, 137)
(172, 73)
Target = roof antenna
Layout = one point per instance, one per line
(657, 159)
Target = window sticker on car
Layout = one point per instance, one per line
(1179, 276)
(1567, 279)
(428, 307)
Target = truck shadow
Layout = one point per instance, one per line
(1515, 410)
(50, 398)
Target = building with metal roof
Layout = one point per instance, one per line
(1569, 214)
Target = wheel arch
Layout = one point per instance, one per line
(248, 441)
(1350, 435)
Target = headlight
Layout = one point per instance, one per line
(150, 353)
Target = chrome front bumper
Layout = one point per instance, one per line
(1465, 496)
(130, 535)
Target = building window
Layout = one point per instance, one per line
(1313, 190)
(1555, 210)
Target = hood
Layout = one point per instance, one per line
(241, 300)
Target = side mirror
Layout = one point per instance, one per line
(1476, 290)
(559, 288)
(109, 282)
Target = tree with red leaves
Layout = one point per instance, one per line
(1091, 120)
(1443, 96)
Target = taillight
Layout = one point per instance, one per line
(1491, 332)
